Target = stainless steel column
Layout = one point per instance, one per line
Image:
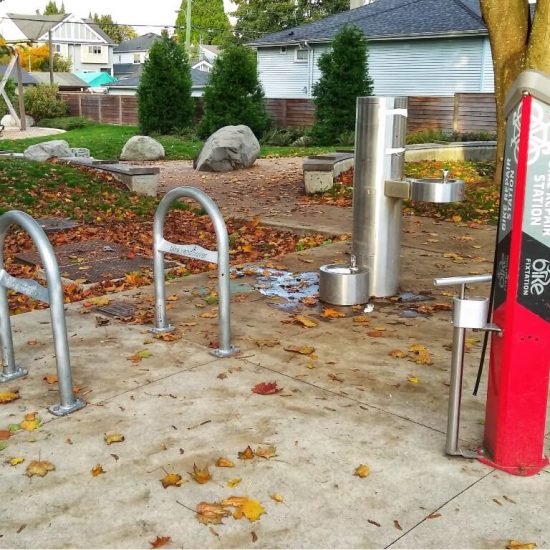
(379, 156)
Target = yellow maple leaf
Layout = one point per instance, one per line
(414, 379)
(9, 396)
(305, 321)
(517, 545)
(362, 470)
(211, 512)
(113, 438)
(252, 509)
(200, 475)
(171, 480)
(302, 350)
(97, 470)
(15, 460)
(266, 452)
(421, 354)
(31, 422)
(224, 463)
(233, 482)
(39, 468)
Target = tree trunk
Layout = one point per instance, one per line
(516, 45)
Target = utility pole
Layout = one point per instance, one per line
(22, 117)
(50, 48)
(188, 27)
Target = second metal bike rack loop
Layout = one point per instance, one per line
(52, 295)
(220, 257)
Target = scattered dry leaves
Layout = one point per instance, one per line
(232, 483)
(247, 454)
(15, 460)
(421, 354)
(113, 438)
(171, 480)
(306, 322)
(266, 452)
(97, 470)
(211, 513)
(517, 545)
(140, 355)
(224, 463)
(331, 313)
(397, 354)
(9, 396)
(160, 541)
(302, 350)
(267, 343)
(277, 498)
(31, 422)
(362, 470)
(249, 508)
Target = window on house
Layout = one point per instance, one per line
(96, 50)
(137, 58)
(57, 48)
(301, 55)
(282, 49)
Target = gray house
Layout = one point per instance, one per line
(130, 55)
(416, 48)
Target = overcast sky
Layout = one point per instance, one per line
(131, 12)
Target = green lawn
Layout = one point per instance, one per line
(105, 141)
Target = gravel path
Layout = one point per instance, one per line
(15, 133)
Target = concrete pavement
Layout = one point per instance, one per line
(348, 403)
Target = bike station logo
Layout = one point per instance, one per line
(539, 133)
(536, 276)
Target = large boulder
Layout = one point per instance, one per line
(9, 122)
(230, 148)
(142, 148)
(48, 149)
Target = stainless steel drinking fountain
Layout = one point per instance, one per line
(378, 193)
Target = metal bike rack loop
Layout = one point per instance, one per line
(52, 295)
(467, 313)
(220, 257)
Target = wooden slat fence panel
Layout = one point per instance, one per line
(462, 113)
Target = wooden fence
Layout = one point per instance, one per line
(461, 113)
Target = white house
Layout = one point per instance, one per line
(80, 40)
(416, 48)
(207, 55)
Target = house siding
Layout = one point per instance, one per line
(424, 67)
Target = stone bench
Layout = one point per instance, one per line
(321, 170)
(143, 180)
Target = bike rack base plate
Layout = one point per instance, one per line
(221, 353)
(60, 410)
(19, 372)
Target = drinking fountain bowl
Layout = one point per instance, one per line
(436, 189)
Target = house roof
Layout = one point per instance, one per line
(139, 44)
(35, 26)
(126, 68)
(199, 79)
(26, 77)
(96, 79)
(63, 80)
(390, 19)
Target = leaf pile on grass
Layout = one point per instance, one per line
(111, 213)
(482, 194)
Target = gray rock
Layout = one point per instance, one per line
(9, 122)
(230, 148)
(48, 149)
(142, 148)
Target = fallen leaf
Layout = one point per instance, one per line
(309, 301)
(224, 463)
(421, 354)
(50, 379)
(4, 435)
(373, 522)
(266, 388)
(266, 452)
(209, 314)
(397, 354)
(266, 343)
(200, 475)
(234, 482)
(335, 377)
(247, 454)
(413, 379)
(97, 470)
(249, 508)
(302, 350)
(305, 321)
(375, 333)
(39, 468)
(516, 544)
(168, 337)
(31, 422)
(362, 319)
(15, 460)
(362, 470)
(160, 541)
(101, 301)
(211, 512)
(331, 313)
(3, 445)
(113, 438)
(8, 396)
(254, 536)
(276, 497)
(456, 218)
(171, 480)
(138, 356)
(434, 515)
(397, 525)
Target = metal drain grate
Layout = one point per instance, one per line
(121, 310)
